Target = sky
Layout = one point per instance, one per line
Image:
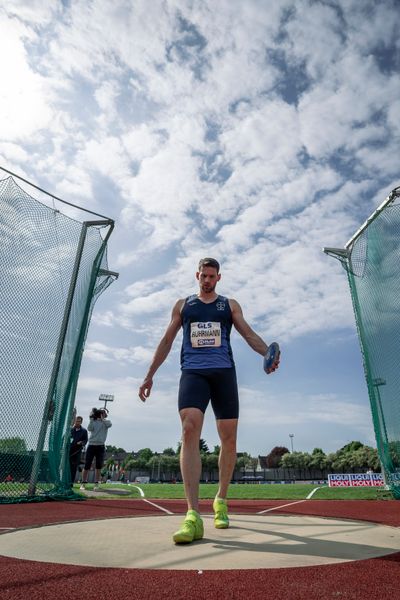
(253, 131)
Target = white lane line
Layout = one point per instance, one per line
(141, 492)
(310, 495)
(148, 501)
(261, 512)
(290, 504)
(157, 506)
(281, 506)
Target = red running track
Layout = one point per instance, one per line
(374, 579)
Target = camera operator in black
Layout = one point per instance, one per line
(79, 438)
(98, 429)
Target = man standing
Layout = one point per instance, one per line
(208, 373)
(79, 438)
(98, 428)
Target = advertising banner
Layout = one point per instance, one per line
(356, 480)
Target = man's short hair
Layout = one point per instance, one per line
(209, 262)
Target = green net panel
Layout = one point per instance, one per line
(372, 262)
(53, 269)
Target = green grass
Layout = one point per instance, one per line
(249, 491)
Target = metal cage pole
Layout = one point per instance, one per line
(96, 271)
(49, 405)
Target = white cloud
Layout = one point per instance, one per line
(269, 133)
(394, 117)
(35, 12)
(333, 110)
(25, 105)
(105, 155)
(142, 142)
(106, 95)
(100, 352)
(319, 46)
(370, 24)
(13, 152)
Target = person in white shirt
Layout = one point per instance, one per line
(98, 428)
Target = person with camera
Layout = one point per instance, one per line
(98, 428)
(79, 438)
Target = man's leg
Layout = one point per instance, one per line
(227, 430)
(192, 527)
(88, 462)
(73, 462)
(72, 468)
(190, 460)
(99, 454)
(84, 478)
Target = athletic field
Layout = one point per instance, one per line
(285, 542)
(246, 491)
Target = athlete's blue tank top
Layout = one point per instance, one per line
(206, 334)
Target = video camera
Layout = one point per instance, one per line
(98, 413)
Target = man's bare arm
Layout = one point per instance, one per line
(251, 337)
(162, 351)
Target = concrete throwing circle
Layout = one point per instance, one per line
(252, 542)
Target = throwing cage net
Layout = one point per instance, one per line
(371, 259)
(53, 268)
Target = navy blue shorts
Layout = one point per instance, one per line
(198, 386)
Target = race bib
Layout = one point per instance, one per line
(205, 334)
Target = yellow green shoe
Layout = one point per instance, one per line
(191, 529)
(221, 520)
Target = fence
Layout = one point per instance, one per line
(53, 268)
(371, 259)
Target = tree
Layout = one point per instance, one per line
(253, 462)
(289, 460)
(355, 445)
(145, 454)
(243, 462)
(342, 461)
(110, 462)
(349, 457)
(318, 459)
(273, 459)
(143, 458)
(114, 450)
(365, 458)
(210, 464)
(170, 464)
(162, 464)
(203, 446)
(168, 452)
(13, 445)
(132, 464)
(216, 450)
(296, 460)
(305, 461)
(318, 451)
